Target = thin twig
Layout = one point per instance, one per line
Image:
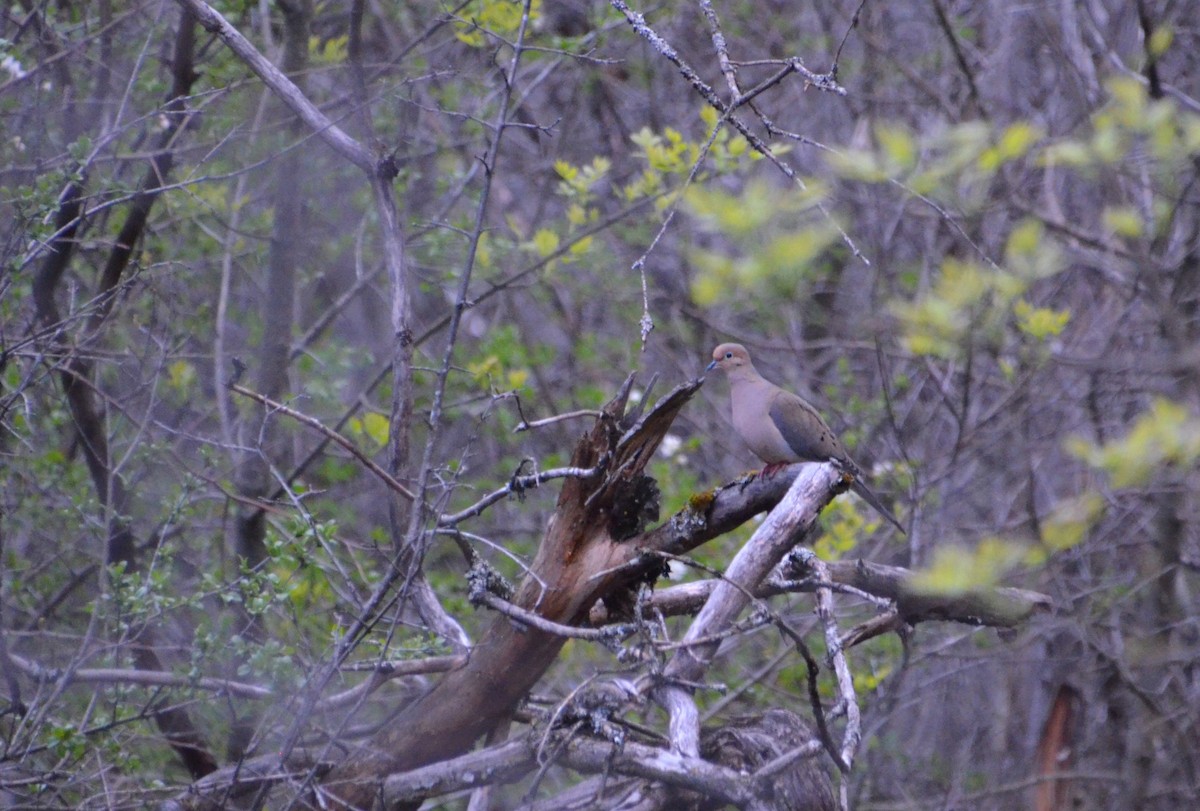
(647, 323)
(328, 433)
(158, 678)
(570, 415)
(837, 55)
(462, 301)
(331, 133)
(820, 81)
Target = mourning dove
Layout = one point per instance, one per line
(781, 427)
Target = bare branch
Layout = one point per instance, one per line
(847, 697)
(517, 485)
(570, 415)
(514, 759)
(502, 763)
(810, 492)
(274, 78)
(529, 618)
(718, 38)
(158, 678)
(1000, 607)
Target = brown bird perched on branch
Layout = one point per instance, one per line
(781, 427)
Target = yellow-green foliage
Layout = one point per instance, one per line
(1123, 221)
(1160, 40)
(499, 17)
(776, 244)
(972, 303)
(181, 377)
(945, 164)
(372, 426)
(578, 182)
(726, 150)
(1067, 525)
(868, 681)
(330, 51)
(961, 303)
(670, 157)
(544, 242)
(1015, 142)
(957, 570)
(1164, 136)
(844, 522)
(578, 187)
(490, 373)
(1166, 435)
(667, 153)
(1028, 254)
(896, 156)
(1040, 323)
(503, 361)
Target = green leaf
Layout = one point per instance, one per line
(1018, 139)
(1160, 41)
(502, 17)
(1129, 100)
(565, 170)
(1029, 254)
(1040, 322)
(898, 146)
(956, 570)
(376, 426)
(1025, 238)
(1067, 153)
(857, 164)
(181, 375)
(844, 524)
(545, 242)
(580, 247)
(1123, 221)
(1071, 520)
(1166, 435)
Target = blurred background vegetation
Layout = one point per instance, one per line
(982, 263)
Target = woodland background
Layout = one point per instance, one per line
(981, 259)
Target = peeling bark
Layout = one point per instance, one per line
(565, 580)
